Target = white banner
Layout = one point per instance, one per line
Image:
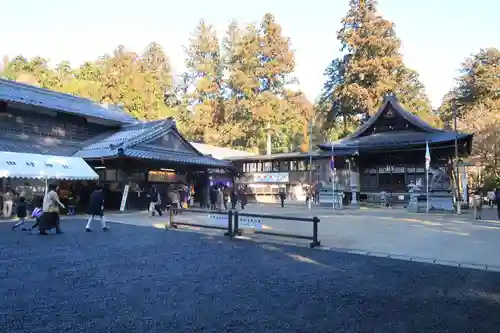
(218, 219)
(245, 222)
(124, 198)
(276, 177)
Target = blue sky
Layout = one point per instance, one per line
(437, 35)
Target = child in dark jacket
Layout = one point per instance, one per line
(21, 214)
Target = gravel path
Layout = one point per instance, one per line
(140, 279)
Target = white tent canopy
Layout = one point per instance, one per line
(19, 165)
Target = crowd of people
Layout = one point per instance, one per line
(46, 211)
(220, 196)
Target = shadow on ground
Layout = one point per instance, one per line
(142, 279)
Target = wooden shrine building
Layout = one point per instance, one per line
(122, 150)
(386, 153)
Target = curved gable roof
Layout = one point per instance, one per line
(139, 141)
(392, 101)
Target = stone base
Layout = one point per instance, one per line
(441, 201)
(413, 207)
(354, 205)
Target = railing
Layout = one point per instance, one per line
(172, 212)
(234, 223)
(257, 226)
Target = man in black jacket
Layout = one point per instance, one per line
(96, 208)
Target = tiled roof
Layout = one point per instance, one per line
(132, 140)
(11, 91)
(176, 157)
(392, 101)
(129, 135)
(42, 146)
(392, 140)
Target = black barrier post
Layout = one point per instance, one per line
(171, 217)
(236, 224)
(315, 241)
(229, 231)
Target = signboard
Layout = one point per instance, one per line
(275, 177)
(245, 222)
(220, 220)
(124, 198)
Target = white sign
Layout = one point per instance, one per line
(124, 198)
(275, 177)
(245, 222)
(218, 219)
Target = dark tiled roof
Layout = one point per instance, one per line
(44, 146)
(128, 136)
(363, 140)
(176, 157)
(11, 91)
(392, 101)
(133, 141)
(393, 140)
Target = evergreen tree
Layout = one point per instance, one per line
(204, 102)
(242, 59)
(371, 68)
(158, 79)
(476, 101)
(272, 110)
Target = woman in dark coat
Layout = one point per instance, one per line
(96, 208)
(243, 198)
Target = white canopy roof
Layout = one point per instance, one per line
(19, 165)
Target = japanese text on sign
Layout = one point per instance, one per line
(218, 219)
(245, 222)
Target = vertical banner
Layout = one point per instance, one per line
(124, 198)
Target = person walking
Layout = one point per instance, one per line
(220, 198)
(497, 201)
(243, 199)
(316, 193)
(21, 214)
(282, 197)
(50, 217)
(234, 198)
(37, 214)
(96, 208)
(225, 197)
(477, 205)
(154, 202)
(7, 203)
(213, 197)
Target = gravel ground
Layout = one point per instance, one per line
(140, 279)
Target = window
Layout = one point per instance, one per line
(10, 162)
(276, 166)
(48, 165)
(293, 166)
(302, 166)
(267, 166)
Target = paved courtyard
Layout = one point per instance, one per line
(144, 279)
(426, 237)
